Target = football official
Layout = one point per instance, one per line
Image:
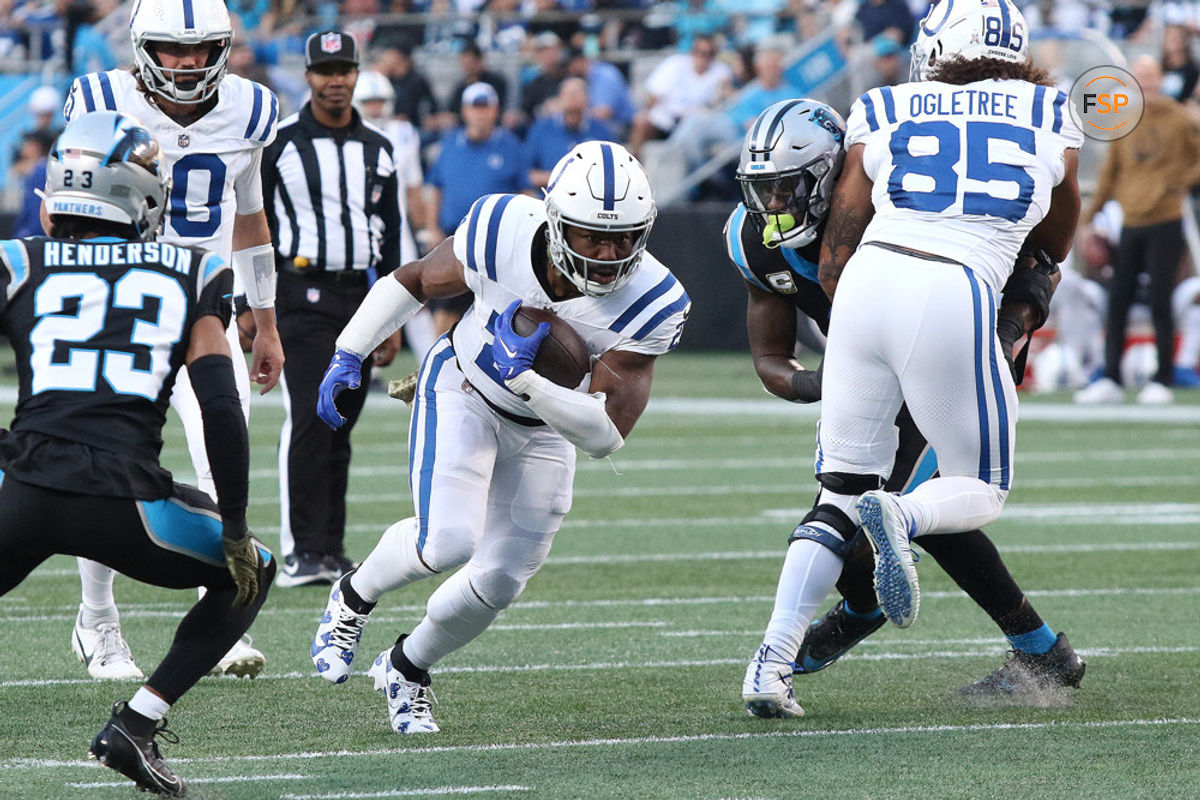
(333, 206)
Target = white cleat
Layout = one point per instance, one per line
(1155, 394)
(103, 650)
(767, 687)
(242, 660)
(410, 705)
(896, 584)
(1101, 390)
(337, 637)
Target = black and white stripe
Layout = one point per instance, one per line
(332, 196)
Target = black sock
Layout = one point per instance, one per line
(972, 561)
(352, 599)
(135, 723)
(409, 670)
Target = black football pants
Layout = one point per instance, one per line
(173, 544)
(1157, 250)
(314, 459)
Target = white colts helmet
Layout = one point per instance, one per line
(106, 166)
(970, 29)
(598, 186)
(373, 85)
(181, 22)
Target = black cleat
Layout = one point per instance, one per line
(1029, 675)
(137, 757)
(831, 637)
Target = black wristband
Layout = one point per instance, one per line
(806, 386)
(225, 438)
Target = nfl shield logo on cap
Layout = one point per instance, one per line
(331, 42)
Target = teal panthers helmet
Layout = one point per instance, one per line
(790, 163)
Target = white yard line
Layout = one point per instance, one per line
(604, 666)
(437, 790)
(415, 751)
(191, 781)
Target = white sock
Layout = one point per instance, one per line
(1188, 355)
(810, 571)
(952, 504)
(453, 617)
(392, 564)
(148, 704)
(99, 605)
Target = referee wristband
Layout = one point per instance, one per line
(383, 311)
(255, 266)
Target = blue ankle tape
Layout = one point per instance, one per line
(1037, 641)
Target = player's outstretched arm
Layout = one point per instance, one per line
(211, 370)
(849, 213)
(771, 325)
(254, 261)
(392, 301)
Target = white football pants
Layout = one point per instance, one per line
(909, 330)
(489, 494)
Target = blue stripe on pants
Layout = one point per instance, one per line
(985, 455)
(425, 418)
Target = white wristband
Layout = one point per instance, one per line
(385, 308)
(255, 267)
(579, 417)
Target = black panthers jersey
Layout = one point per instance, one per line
(100, 328)
(790, 274)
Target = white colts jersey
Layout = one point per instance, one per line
(495, 244)
(962, 172)
(213, 163)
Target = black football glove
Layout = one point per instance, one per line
(244, 562)
(1009, 329)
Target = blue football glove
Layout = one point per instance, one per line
(344, 372)
(513, 353)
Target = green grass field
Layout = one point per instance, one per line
(618, 673)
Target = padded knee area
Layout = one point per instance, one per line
(497, 588)
(835, 518)
(849, 483)
(447, 547)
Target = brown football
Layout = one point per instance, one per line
(563, 356)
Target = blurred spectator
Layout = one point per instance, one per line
(1147, 172)
(86, 49)
(27, 173)
(249, 14)
(693, 18)
(243, 64)
(1179, 66)
(45, 104)
(608, 91)
(503, 30)
(475, 70)
(476, 159)
(445, 30)
(551, 69)
(891, 66)
(359, 18)
(701, 136)
(553, 135)
(891, 17)
(414, 99)
(681, 84)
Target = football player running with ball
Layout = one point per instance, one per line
(945, 181)
(790, 163)
(212, 128)
(102, 317)
(491, 442)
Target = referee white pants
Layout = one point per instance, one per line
(910, 330)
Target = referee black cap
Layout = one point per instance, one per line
(330, 47)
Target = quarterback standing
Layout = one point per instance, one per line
(946, 179)
(212, 129)
(491, 442)
(790, 163)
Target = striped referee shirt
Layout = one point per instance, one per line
(332, 195)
